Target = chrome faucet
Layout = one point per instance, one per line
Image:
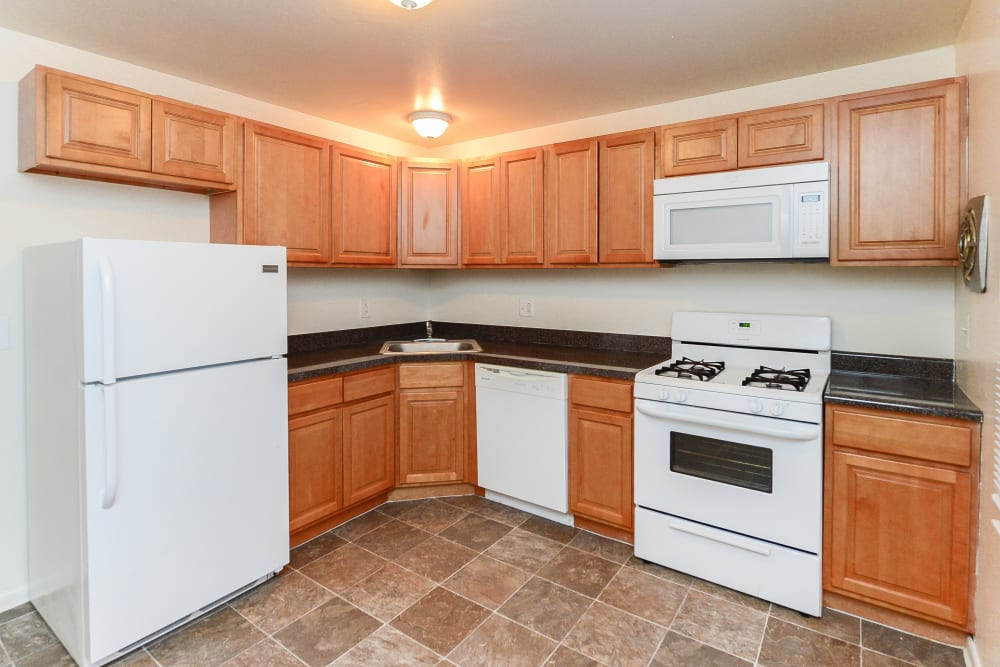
(430, 329)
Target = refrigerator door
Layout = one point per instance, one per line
(152, 307)
(186, 493)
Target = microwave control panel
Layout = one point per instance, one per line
(812, 215)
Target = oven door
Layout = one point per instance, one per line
(749, 474)
(748, 223)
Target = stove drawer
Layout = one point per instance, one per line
(786, 576)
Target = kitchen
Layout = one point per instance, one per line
(914, 311)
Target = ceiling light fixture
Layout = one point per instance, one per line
(429, 124)
(410, 4)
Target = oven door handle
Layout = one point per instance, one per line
(809, 432)
(732, 541)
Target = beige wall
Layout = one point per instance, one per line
(978, 56)
(908, 311)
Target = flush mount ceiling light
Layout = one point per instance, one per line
(429, 124)
(410, 4)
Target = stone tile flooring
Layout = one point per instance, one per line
(465, 581)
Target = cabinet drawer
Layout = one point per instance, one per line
(601, 393)
(314, 394)
(423, 376)
(931, 439)
(370, 383)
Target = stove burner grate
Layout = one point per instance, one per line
(772, 378)
(690, 369)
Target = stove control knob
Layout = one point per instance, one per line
(682, 396)
(661, 394)
(777, 409)
(756, 406)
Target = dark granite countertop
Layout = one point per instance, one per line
(587, 353)
(903, 384)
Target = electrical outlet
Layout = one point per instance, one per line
(526, 307)
(363, 309)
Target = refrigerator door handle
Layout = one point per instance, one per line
(110, 446)
(107, 275)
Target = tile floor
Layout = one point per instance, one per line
(465, 581)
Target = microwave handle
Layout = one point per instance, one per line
(789, 433)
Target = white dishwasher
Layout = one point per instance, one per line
(521, 436)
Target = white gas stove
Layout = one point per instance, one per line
(729, 453)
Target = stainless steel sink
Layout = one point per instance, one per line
(429, 346)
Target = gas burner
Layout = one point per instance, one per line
(771, 378)
(692, 370)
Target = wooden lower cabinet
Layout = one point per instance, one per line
(900, 512)
(600, 451)
(315, 478)
(432, 418)
(369, 448)
(341, 447)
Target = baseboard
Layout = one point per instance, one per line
(972, 658)
(13, 598)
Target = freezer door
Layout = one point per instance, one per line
(186, 494)
(151, 307)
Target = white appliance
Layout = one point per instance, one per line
(522, 443)
(766, 213)
(729, 454)
(157, 434)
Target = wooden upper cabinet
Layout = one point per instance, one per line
(697, 148)
(571, 203)
(780, 137)
(481, 211)
(286, 191)
(193, 142)
(522, 207)
(900, 176)
(626, 198)
(428, 216)
(364, 206)
(95, 123)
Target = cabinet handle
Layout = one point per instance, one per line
(807, 433)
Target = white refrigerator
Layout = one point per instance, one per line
(156, 423)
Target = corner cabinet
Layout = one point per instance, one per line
(75, 126)
(428, 214)
(900, 511)
(900, 176)
(341, 448)
(432, 420)
(600, 454)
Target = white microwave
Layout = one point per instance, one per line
(766, 213)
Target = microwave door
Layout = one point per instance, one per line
(706, 225)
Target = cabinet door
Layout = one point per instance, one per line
(600, 466)
(901, 534)
(369, 448)
(571, 203)
(900, 180)
(698, 148)
(315, 471)
(88, 122)
(428, 218)
(626, 198)
(779, 137)
(193, 142)
(286, 186)
(431, 436)
(521, 207)
(481, 211)
(364, 207)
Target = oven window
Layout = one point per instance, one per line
(732, 463)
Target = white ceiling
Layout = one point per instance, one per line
(496, 66)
